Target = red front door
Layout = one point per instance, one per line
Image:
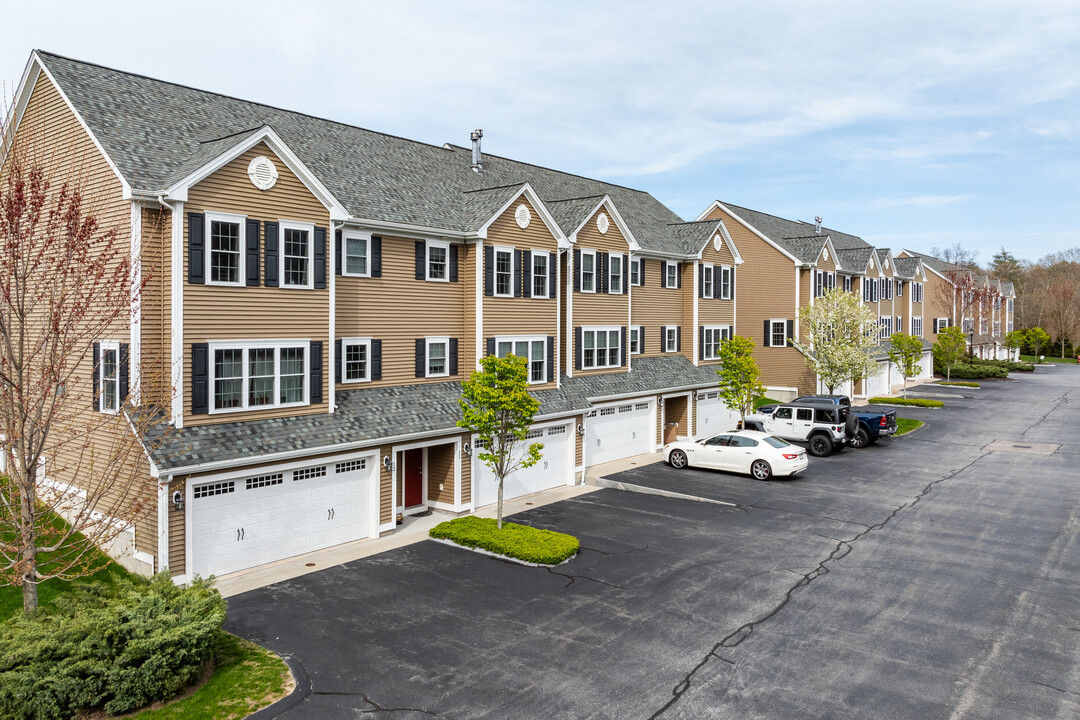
(414, 477)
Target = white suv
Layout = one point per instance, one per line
(821, 427)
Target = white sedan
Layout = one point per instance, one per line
(744, 451)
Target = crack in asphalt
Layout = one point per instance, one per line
(806, 514)
(1052, 687)
(375, 707)
(572, 578)
(843, 547)
(621, 552)
(1063, 400)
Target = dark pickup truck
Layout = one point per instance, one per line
(872, 424)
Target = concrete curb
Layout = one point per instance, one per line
(497, 556)
(644, 490)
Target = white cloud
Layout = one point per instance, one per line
(930, 201)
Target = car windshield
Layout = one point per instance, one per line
(775, 441)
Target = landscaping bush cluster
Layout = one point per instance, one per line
(914, 402)
(517, 541)
(978, 369)
(115, 649)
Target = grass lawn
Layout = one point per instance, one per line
(762, 400)
(522, 542)
(906, 425)
(1034, 359)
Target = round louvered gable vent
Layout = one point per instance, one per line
(262, 172)
(717, 242)
(523, 216)
(602, 223)
(825, 254)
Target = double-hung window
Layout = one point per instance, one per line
(847, 283)
(671, 338)
(108, 371)
(706, 281)
(819, 283)
(899, 288)
(725, 282)
(437, 354)
(635, 340)
(671, 274)
(982, 326)
(600, 348)
(356, 248)
(615, 274)
(297, 250)
(540, 272)
(886, 327)
(533, 349)
(778, 333)
(714, 335)
(588, 271)
(254, 375)
(438, 254)
(916, 326)
(355, 360)
(225, 252)
(635, 272)
(504, 272)
(899, 327)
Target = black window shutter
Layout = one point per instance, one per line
(790, 332)
(490, 346)
(376, 256)
(701, 282)
(701, 342)
(94, 379)
(270, 255)
(200, 388)
(315, 396)
(526, 273)
(196, 248)
(125, 362)
(553, 291)
(452, 351)
(320, 259)
(453, 263)
(337, 254)
(602, 266)
(551, 358)
(678, 338)
(641, 330)
(641, 272)
(663, 273)
(577, 348)
(517, 273)
(489, 270)
(577, 271)
(626, 275)
(768, 334)
(732, 293)
(678, 275)
(376, 359)
(421, 361)
(622, 357)
(251, 240)
(717, 280)
(339, 361)
(421, 260)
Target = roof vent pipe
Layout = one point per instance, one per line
(475, 136)
(817, 224)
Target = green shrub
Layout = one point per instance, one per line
(976, 370)
(960, 384)
(115, 648)
(914, 402)
(517, 541)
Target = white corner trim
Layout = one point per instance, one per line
(163, 525)
(479, 292)
(135, 297)
(176, 313)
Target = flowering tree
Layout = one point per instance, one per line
(740, 376)
(842, 333)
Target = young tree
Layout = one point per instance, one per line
(739, 375)
(1014, 340)
(905, 353)
(949, 348)
(65, 283)
(496, 405)
(842, 334)
(1036, 339)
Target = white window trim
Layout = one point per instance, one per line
(709, 280)
(716, 329)
(246, 345)
(530, 339)
(241, 222)
(534, 256)
(428, 342)
(669, 282)
(916, 321)
(884, 328)
(104, 346)
(606, 329)
(284, 225)
(345, 343)
(446, 247)
(772, 331)
(725, 294)
(595, 273)
(347, 235)
(674, 344)
(632, 264)
(495, 271)
(633, 340)
(612, 275)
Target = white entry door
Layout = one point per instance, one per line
(618, 431)
(713, 416)
(243, 522)
(553, 469)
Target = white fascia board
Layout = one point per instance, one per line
(722, 229)
(265, 134)
(26, 87)
(541, 210)
(405, 230)
(751, 228)
(605, 202)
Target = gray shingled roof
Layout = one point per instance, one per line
(798, 237)
(692, 236)
(855, 259)
(806, 248)
(157, 133)
(570, 213)
(905, 267)
(841, 240)
(376, 413)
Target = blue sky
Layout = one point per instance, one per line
(914, 124)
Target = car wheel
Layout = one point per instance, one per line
(860, 439)
(678, 459)
(760, 470)
(851, 426)
(820, 446)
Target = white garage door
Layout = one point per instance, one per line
(248, 521)
(713, 416)
(553, 469)
(878, 384)
(618, 431)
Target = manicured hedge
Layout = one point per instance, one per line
(516, 541)
(973, 371)
(960, 384)
(111, 648)
(913, 402)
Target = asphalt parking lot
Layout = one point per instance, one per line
(927, 576)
